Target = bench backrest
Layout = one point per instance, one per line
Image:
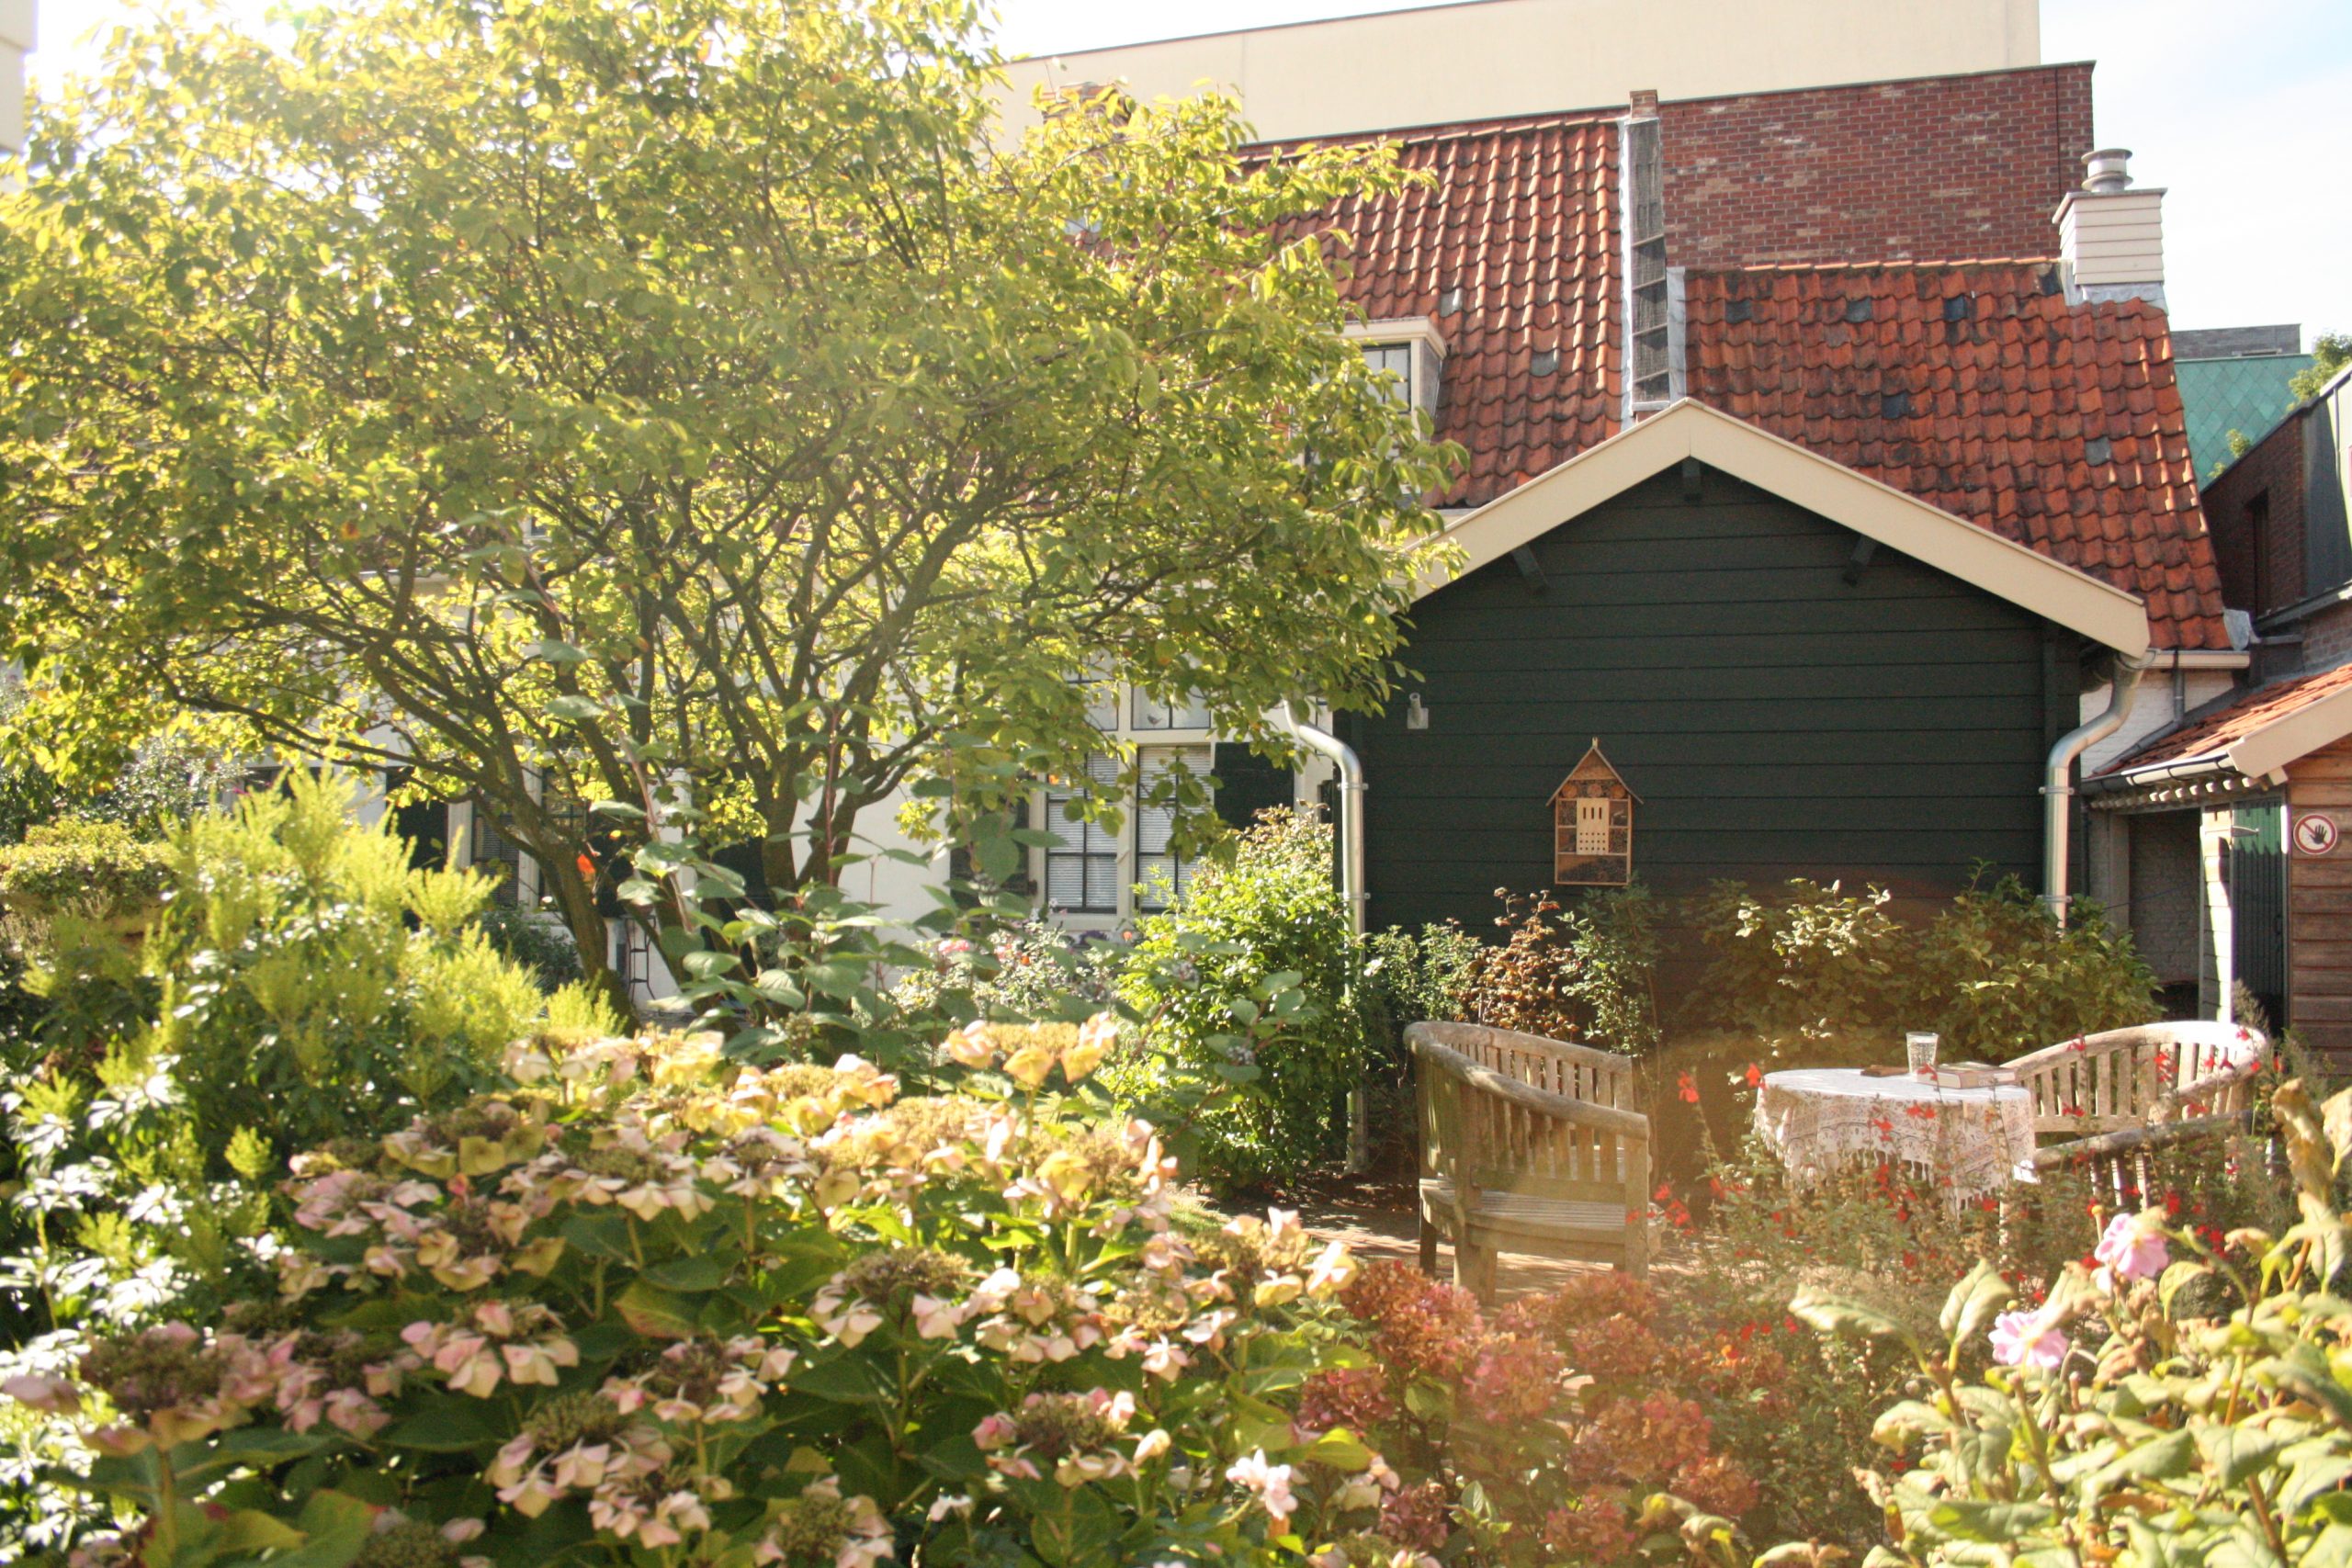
(1484, 1129)
(1573, 1072)
(2125, 1077)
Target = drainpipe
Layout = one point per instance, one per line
(2058, 782)
(1351, 788)
(1353, 891)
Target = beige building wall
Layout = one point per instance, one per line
(16, 42)
(1489, 58)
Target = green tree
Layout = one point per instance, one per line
(564, 398)
(2329, 355)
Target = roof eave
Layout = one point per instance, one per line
(2050, 589)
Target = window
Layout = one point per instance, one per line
(1083, 870)
(498, 855)
(1101, 700)
(1397, 358)
(1149, 713)
(1162, 877)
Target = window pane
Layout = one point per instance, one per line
(1159, 873)
(1397, 358)
(1148, 712)
(1083, 873)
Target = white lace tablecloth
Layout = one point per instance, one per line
(1968, 1141)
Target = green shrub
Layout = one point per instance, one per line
(2186, 1401)
(97, 869)
(1996, 977)
(303, 984)
(652, 1309)
(1019, 969)
(1424, 975)
(309, 969)
(536, 943)
(1253, 980)
(173, 777)
(1812, 961)
(1580, 970)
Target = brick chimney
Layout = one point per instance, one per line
(2110, 235)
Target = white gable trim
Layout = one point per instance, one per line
(2026, 577)
(2293, 737)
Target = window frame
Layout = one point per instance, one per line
(1084, 851)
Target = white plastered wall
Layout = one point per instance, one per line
(1442, 64)
(16, 42)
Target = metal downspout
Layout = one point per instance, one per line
(2058, 781)
(1352, 791)
(1353, 891)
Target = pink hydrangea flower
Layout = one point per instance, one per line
(2134, 1248)
(1270, 1481)
(2027, 1340)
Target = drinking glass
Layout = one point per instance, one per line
(1920, 1045)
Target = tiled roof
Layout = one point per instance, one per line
(2248, 394)
(2002, 402)
(1521, 217)
(2223, 728)
(1976, 388)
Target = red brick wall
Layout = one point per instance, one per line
(2274, 468)
(1938, 169)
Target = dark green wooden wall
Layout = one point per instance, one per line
(1776, 720)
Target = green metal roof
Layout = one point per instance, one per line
(2248, 394)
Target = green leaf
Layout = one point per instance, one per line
(700, 1273)
(1972, 1304)
(655, 1313)
(1842, 1314)
(447, 1427)
(2002, 1524)
(575, 709)
(2237, 1452)
(554, 652)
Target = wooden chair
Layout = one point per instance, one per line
(2111, 1102)
(1527, 1146)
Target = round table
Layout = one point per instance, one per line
(1967, 1141)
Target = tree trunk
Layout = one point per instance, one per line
(575, 898)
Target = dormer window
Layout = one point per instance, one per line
(1409, 348)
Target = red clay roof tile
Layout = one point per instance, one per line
(1521, 215)
(2021, 378)
(2226, 726)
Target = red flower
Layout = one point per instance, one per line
(587, 868)
(1755, 1075)
(1686, 1086)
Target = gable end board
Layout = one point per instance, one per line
(2060, 594)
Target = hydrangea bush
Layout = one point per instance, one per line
(652, 1306)
(1574, 1427)
(2176, 1399)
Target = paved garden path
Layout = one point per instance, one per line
(1376, 1221)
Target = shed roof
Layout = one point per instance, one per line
(2255, 734)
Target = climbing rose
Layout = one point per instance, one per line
(2027, 1340)
(2134, 1248)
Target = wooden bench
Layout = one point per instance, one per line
(1527, 1146)
(2111, 1101)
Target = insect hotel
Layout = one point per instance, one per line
(1592, 826)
